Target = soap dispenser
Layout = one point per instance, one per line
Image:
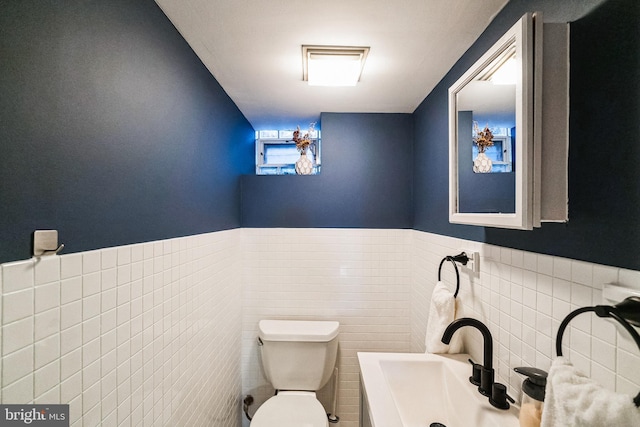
(532, 401)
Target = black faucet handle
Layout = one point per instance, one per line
(499, 396)
(476, 373)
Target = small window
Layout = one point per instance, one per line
(276, 153)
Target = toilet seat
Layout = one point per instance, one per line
(291, 409)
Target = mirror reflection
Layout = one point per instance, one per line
(486, 119)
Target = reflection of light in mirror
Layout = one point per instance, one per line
(507, 74)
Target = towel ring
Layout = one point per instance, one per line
(602, 311)
(452, 260)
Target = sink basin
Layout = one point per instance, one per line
(416, 390)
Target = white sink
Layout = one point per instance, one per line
(415, 390)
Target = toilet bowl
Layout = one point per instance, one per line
(291, 409)
(298, 358)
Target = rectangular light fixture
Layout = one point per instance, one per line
(333, 65)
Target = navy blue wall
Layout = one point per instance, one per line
(365, 179)
(113, 132)
(111, 129)
(604, 176)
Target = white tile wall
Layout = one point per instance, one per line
(378, 284)
(523, 297)
(137, 335)
(360, 278)
(163, 333)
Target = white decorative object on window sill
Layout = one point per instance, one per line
(483, 139)
(482, 164)
(304, 166)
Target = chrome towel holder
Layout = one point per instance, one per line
(626, 313)
(462, 258)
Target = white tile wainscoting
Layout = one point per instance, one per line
(361, 278)
(164, 333)
(145, 334)
(523, 297)
(378, 284)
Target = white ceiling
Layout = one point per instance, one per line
(253, 49)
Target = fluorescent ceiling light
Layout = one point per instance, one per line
(333, 65)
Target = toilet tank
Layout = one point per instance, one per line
(298, 354)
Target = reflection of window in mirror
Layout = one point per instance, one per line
(490, 98)
(501, 153)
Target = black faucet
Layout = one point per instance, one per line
(487, 372)
(496, 392)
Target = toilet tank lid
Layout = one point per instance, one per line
(298, 330)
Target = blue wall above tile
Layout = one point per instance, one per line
(365, 180)
(112, 130)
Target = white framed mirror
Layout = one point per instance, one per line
(492, 152)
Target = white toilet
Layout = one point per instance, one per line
(298, 357)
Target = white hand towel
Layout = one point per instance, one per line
(444, 309)
(572, 399)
